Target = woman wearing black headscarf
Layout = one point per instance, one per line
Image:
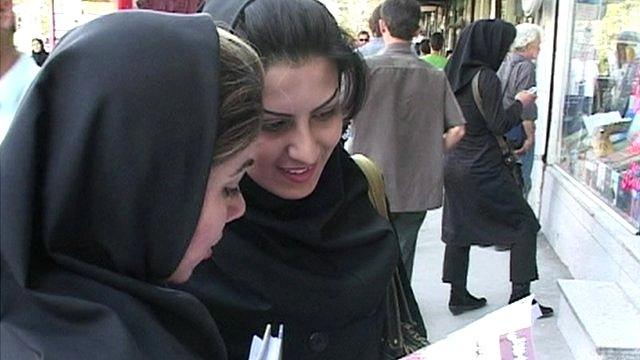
(117, 177)
(315, 254)
(483, 204)
(38, 53)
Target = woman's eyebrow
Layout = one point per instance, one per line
(242, 167)
(335, 94)
(324, 103)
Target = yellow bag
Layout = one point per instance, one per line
(376, 183)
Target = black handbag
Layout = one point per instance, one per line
(404, 331)
(509, 158)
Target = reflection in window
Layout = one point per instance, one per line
(601, 118)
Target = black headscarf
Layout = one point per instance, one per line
(103, 175)
(483, 43)
(319, 265)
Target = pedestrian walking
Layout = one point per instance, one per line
(436, 56)
(409, 106)
(17, 70)
(38, 53)
(517, 73)
(483, 204)
(375, 43)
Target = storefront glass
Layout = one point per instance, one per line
(601, 120)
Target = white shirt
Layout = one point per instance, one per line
(13, 86)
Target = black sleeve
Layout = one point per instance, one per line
(499, 120)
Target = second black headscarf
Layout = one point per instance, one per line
(103, 176)
(483, 43)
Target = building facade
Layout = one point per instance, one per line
(588, 146)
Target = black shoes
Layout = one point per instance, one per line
(502, 248)
(545, 310)
(467, 302)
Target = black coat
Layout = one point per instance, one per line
(483, 204)
(319, 265)
(103, 176)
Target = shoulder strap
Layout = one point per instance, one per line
(475, 87)
(376, 183)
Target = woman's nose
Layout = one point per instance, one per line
(303, 146)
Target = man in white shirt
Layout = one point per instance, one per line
(17, 70)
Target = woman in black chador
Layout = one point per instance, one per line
(483, 204)
(38, 53)
(117, 177)
(311, 252)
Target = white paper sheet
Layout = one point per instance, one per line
(595, 121)
(503, 334)
(267, 347)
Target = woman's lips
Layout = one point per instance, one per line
(298, 174)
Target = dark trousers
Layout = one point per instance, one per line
(407, 225)
(523, 267)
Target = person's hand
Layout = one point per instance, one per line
(525, 147)
(526, 98)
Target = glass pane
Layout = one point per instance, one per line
(601, 120)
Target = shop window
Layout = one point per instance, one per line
(601, 119)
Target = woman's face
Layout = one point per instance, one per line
(35, 46)
(223, 203)
(302, 126)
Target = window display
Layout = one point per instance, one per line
(601, 119)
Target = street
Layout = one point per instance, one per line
(488, 277)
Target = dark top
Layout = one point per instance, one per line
(103, 175)
(39, 57)
(483, 204)
(319, 265)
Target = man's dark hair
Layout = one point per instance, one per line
(437, 41)
(374, 21)
(424, 47)
(402, 17)
(363, 32)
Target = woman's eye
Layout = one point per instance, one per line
(275, 125)
(231, 191)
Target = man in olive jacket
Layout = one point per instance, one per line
(410, 116)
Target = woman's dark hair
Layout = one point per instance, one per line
(296, 30)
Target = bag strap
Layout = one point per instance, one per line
(398, 308)
(475, 87)
(379, 201)
(376, 183)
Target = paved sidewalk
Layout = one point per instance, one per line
(488, 277)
